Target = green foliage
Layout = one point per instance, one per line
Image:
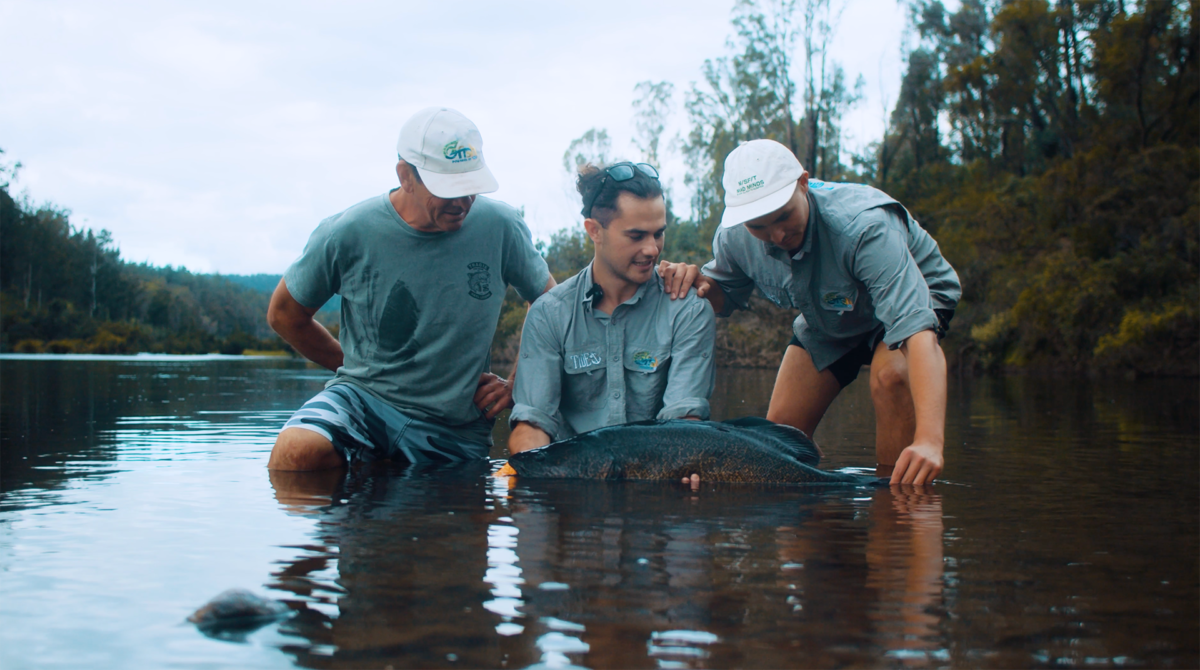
(66, 290)
(1066, 191)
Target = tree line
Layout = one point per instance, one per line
(1051, 147)
(65, 289)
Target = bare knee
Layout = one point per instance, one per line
(300, 449)
(888, 378)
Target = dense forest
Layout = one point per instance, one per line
(1052, 149)
(66, 290)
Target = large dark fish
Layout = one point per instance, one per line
(738, 450)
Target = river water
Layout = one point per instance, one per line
(1064, 533)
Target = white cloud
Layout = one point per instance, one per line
(217, 135)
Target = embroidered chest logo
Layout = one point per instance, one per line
(836, 301)
(645, 361)
(586, 360)
(478, 278)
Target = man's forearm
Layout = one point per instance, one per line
(312, 341)
(713, 292)
(526, 436)
(295, 324)
(927, 379)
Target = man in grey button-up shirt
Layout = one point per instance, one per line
(608, 346)
(871, 287)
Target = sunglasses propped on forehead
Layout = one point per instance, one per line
(619, 172)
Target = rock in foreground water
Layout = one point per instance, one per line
(238, 609)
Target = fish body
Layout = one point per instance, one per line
(740, 450)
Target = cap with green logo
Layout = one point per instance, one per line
(760, 177)
(447, 150)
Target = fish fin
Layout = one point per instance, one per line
(793, 440)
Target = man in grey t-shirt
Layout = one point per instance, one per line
(608, 346)
(871, 287)
(422, 272)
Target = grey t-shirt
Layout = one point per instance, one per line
(866, 271)
(582, 369)
(419, 309)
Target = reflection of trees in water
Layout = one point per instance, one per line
(56, 411)
(603, 573)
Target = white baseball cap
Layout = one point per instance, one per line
(760, 177)
(447, 150)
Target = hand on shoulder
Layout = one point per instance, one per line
(679, 277)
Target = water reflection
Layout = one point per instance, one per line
(1066, 532)
(410, 567)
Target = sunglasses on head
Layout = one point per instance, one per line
(619, 172)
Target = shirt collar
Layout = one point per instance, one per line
(586, 282)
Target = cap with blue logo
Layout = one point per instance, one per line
(760, 177)
(447, 150)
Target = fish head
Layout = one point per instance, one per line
(569, 459)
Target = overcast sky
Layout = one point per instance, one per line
(216, 135)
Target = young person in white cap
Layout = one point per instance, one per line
(871, 286)
(422, 271)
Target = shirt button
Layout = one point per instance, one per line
(704, 354)
(616, 395)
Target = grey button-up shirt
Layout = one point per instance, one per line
(581, 369)
(865, 269)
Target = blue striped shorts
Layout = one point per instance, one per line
(364, 428)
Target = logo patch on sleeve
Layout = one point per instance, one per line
(645, 361)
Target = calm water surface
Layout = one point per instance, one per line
(1065, 533)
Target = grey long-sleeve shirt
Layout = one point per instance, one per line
(865, 271)
(581, 369)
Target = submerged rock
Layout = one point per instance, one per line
(238, 610)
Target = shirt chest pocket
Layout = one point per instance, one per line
(584, 378)
(839, 298)
(646, 376)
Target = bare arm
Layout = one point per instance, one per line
(679, 277)
(526, 436)
(295, 324)
(922, 461)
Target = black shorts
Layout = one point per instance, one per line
(846, 368)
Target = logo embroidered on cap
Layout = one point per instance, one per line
(753, 183)
(477, 281)
(645, 361)
(459, 154)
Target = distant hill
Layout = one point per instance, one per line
(265, 283)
